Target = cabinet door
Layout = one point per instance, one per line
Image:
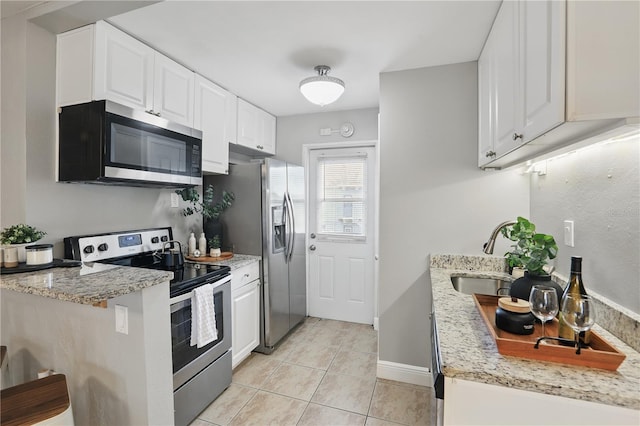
(215, 115)
(268, 127)
(542, 55)
(486, 104)
(173, 91)
(245, 311)
(123, 68)
(248, 125)
(506, 78)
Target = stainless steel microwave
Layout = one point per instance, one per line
(105, 142)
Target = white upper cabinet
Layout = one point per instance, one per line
(542, 58)
(552, 73)
(101, 62)
(256, 129)
(173, 91)
(216, 116)
(520, 77)
(124, 68)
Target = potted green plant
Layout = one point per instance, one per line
(532, 251)
(214, 246)
(209, 207)
(20, 236)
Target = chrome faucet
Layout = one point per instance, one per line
(488, 246)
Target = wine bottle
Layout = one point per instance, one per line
(574, 286)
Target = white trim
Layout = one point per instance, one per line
(404, 373)
(375, 322)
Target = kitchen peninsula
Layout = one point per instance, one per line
(504, 386)
(64, 319)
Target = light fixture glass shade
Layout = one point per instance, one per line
(322, 89)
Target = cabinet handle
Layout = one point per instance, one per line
(246, 275)
(490, 154)
(259, 147)
(150, 111)
(517, 136)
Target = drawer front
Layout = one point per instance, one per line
(244, 275)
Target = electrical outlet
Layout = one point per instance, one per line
(122, 319)
(568, 233)
(175, 200)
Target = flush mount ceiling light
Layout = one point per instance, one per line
(322, 89)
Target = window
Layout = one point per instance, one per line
(341, 197)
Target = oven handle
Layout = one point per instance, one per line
(187, 296)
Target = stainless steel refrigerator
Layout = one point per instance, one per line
(267, 219)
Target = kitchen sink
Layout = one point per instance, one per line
(470, 285)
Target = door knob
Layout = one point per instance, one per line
(312, 236)
(312, 247)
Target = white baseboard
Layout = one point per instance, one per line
(375, 323)
(404, 373)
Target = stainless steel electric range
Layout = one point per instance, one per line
(199, 374)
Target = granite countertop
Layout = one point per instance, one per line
(237, 261)
(469, 352)
(89, 284)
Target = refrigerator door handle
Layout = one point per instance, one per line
(291, 240)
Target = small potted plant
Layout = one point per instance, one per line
(20, 236)
(214, 246)
(531, 251)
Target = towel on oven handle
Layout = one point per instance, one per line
(203, 316)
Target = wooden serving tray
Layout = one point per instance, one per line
(600, 354)
(225, 255)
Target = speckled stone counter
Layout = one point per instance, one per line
(89, 284)
(237, 261)
(469, 352)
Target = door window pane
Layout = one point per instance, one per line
(342, 197)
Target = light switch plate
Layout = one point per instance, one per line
(122, 319)
(175, 201)
(568, 233)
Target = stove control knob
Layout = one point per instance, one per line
(164, 238)
(88, 249)
(155, 240)
(103, 247)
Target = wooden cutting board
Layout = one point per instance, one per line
(225, 255)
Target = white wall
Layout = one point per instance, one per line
(433, 198)
(29, 191)
(294, 131)
(599, 189)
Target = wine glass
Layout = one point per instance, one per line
(579, 312)
(543, 301)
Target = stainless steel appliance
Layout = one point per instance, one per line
(268, 219)
(437, 375)
(104, 142)
(199, 374)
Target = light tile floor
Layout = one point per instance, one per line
(324, 373)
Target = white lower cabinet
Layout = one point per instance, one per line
(245, 312)
(473, 403)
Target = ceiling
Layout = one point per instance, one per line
(260, 50)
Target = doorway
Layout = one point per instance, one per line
(342, 188)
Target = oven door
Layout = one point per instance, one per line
(189, 360)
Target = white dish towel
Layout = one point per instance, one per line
(203, 316)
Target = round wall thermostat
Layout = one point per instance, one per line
(346, 130)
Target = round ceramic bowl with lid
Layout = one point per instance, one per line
(39, 254)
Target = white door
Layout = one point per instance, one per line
(341, 233)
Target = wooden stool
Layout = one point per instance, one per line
(43, 401)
